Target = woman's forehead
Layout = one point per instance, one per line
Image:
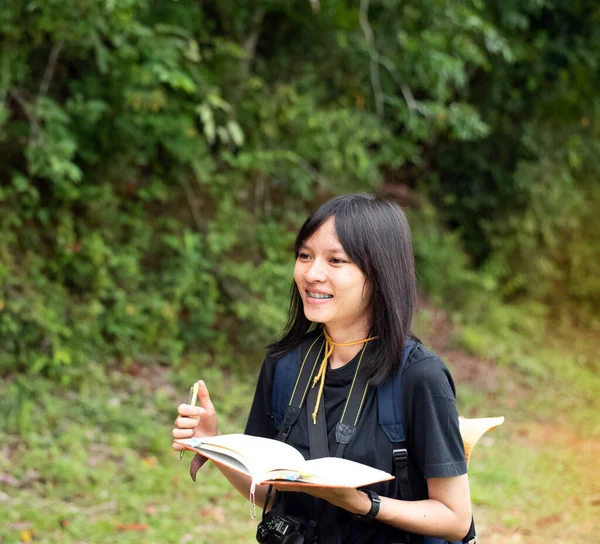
(325, 237)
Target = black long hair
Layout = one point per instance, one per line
(375, 234)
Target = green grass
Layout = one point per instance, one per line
(92, 463)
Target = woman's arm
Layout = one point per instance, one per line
(446, 514)
(242, 483)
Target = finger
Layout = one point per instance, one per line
(177, 447)
(187, 410)
(182, 433)
(204, 397)
(186, 423)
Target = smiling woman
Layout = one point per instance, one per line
(360, 246)
(353, 298)
(334, 290)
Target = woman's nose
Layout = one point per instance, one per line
(315, 272)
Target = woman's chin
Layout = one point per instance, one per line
(314, 316)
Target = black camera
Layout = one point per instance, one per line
(274, 529)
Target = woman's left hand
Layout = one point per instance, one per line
(352, 500)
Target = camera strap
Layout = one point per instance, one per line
(299, 393)
(319, 446)
(317, 431)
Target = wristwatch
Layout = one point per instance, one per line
(375, 504)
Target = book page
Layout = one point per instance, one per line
(258, 455)
(335, 472)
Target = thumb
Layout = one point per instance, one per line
(204, 397)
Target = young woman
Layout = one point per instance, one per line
(355, 291)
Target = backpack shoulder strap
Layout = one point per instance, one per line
(291, 381)
(286, 373)
(389, 401)
(389, 408)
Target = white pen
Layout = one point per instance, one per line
(192, 402)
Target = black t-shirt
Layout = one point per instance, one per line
(432, 432)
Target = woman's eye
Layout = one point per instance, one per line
(337, 261)
(303, 256)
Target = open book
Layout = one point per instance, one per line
(265, 460)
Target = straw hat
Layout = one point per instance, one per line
(472, 430)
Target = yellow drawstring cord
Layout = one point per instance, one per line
(329, 347)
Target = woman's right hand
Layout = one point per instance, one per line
(196, 421)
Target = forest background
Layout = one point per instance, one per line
(156, 159)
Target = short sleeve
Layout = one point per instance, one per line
(260, 419)
(433, 430)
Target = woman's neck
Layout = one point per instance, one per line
(342, 355)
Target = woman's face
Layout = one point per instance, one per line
(333, 289)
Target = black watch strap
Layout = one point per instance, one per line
(375, 504)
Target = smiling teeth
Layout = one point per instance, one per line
(316, 295)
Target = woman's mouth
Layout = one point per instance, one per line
(318, 296)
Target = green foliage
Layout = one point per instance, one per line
(443, 267)
(524, 196)
(156, 160)
(553, 239)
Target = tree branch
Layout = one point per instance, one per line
(406, 92)
(250, 43)
(193, 204)
(35, 133)
(373, 63)
(49, 72)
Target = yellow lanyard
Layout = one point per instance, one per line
(329, 347)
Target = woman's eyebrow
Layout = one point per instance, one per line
(330, 249)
